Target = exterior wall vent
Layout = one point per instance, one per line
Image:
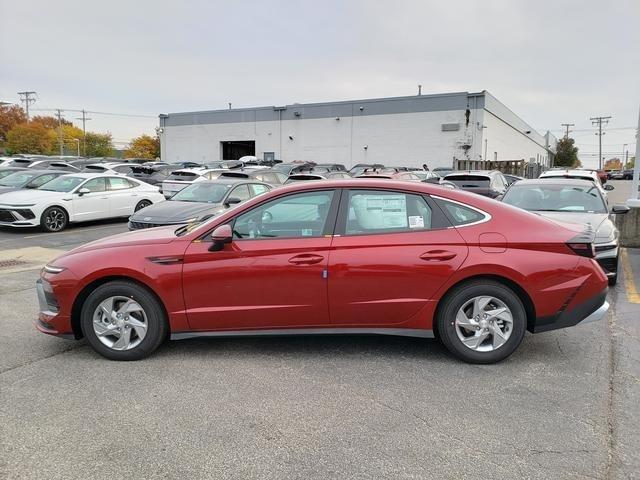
(450, 127)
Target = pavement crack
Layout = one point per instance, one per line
(68, 349)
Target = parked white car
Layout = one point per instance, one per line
(76, 197)
(179, 179)
(112, 168)
(578, 174)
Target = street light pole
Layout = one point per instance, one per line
(78, 144)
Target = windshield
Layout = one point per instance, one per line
(17, 179)
(202, 192)
(556, 198)
(65, 183)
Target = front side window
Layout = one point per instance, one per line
(382, 212)
(258, 189)
(294, 216)
(96, 185)
(241, 192)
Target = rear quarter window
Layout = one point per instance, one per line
(460, 214)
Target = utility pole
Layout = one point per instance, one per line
(26, 98)
(567, 125)
(59, 115)
(84, 119)
(599, 121)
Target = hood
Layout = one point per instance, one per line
(30, 196)
(150, 236)
(8, 189)
(599, 223)
(175, 211)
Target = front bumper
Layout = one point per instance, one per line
(52, 318)
(17, 217)
(590, 310)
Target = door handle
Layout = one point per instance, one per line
(306, 259)
(437, 255)
(104, 198)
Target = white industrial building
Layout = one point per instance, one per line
(439, 130)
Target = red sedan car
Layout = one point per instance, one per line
(332, 257)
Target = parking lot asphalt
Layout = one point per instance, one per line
(565, 405)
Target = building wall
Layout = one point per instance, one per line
(395, 131)
(396, 139)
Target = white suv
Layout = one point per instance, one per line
(573, 173)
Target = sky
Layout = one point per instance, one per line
(550, 61)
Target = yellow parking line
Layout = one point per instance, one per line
(632, 291)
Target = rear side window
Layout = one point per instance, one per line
(96, 185)
(119, 183)
(381, 212)
(241, 192)
(460, 214)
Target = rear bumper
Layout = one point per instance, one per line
(591, 310)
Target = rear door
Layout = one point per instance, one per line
(391, 253)
(122, 196)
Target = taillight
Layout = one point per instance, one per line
(583, 249)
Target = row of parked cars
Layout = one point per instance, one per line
(50, 193)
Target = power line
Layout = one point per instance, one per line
(134, 115)
(26, 98)
(84, 119)
(599, 121)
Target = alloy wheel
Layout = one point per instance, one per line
(55, 219)
(484, 323)
(142, 204)
(120, 323)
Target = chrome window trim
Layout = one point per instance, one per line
(487, 216)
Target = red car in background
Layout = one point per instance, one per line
(333, 257)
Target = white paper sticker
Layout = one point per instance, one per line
(307, 232)
(416, 221)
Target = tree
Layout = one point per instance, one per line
(613, 164)
(49, 122)
(10, 116)
(144, 146)
(630, 163)
(99, 145)
(30, 138)
(566, 153)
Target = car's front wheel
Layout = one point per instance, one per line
(142, 204)
(481, 321)
(54, 219)
(122, 320)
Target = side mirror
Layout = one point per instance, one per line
(221, 236)
(83, 190)
(619, 209)
(609, 187)
(232, 201)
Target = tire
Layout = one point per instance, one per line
(136, 342)
(489, 347)
(54, 219)
(142, 204)
(614, 279)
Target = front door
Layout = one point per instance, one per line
(94, 204)
(393, 253)
(272, 275)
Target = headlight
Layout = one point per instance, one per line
(53, 270)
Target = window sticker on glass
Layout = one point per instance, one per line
(381, 211)
(307, 232)
(416, 221)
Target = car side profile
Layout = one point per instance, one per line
(75, 197)
(490, 183)
(332, 257)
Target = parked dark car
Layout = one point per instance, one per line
(489, 183)
(197, 202)
(293, 168)
(574, 201)
(628, 174)
(28, 178)
(151, 174)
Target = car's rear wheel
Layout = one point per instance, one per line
(54, 219)
(142, 204)
(481, 321)
(122, 320)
